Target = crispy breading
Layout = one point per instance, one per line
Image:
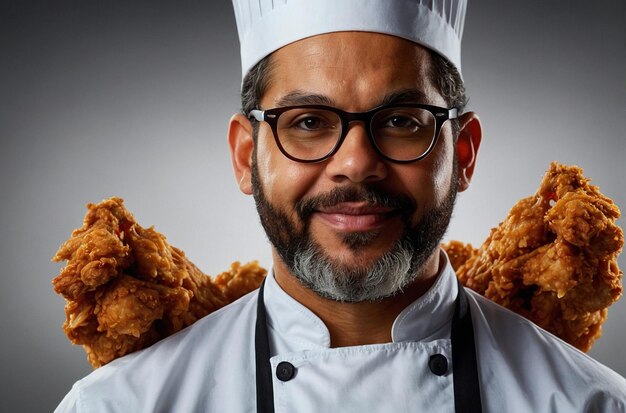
(554, 258)
(127, 288)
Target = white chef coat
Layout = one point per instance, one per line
(210, 366)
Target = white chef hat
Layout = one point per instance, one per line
(265, 26)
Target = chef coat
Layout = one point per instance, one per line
(210, 366)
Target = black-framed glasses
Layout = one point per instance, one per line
(400, 133)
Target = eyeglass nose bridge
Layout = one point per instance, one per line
(348, 118)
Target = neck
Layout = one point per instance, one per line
(352, 324)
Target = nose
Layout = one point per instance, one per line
(356, 160)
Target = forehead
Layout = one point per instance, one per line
(355, 71)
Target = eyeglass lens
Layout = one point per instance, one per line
(398, 133)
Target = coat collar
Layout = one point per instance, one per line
(293, 327)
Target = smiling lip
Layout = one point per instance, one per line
(355, 217)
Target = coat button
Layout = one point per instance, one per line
(285, 371)
(438, 364)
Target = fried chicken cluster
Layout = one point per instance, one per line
(553, 259)
(127, 288)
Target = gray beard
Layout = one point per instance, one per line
(321, 273)
(390, 274)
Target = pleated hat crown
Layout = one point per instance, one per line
(265, 26)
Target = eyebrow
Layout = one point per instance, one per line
(300, 97)
(404, 96)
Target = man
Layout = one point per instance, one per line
(354, 143)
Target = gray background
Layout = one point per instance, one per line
(113, 98)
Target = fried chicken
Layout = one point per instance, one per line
(127, 288)
(553, 259)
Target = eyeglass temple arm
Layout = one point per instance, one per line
(258, 115)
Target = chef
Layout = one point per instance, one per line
(354, 140)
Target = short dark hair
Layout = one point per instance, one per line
(255, 84)
(444, 75)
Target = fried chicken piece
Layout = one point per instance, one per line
(240, 279)
(127, 288)
(553, 259)
(458, 252)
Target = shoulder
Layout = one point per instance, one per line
(516, 355)
(175, 370)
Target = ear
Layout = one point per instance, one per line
(470, 136)
(240, 140)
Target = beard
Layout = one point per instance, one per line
(322, 273)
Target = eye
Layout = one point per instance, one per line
(403, 120)
(400, 121)
(309, 123)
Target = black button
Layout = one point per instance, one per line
(438, 364)
(285, 371)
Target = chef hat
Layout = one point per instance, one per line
(265, 26)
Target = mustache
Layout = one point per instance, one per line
(370, 195)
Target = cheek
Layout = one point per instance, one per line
(264, 161)
(283, 180)
(442, 172)
(431, 178)
(443, 163)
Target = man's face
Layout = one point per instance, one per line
(354, 227)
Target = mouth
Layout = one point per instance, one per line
(356, 216)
